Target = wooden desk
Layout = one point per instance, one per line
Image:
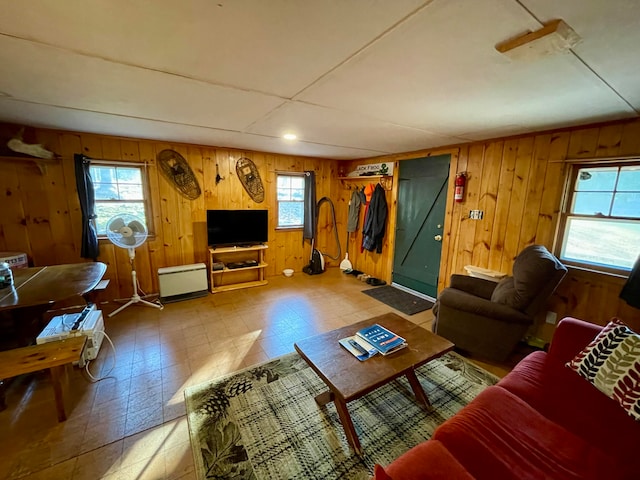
(46, 285)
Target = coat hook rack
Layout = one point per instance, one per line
(386, 181)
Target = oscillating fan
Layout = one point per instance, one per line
(127, 231)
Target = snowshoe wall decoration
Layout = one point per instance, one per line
(176, 169)
(250, 178)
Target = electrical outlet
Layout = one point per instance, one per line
(476, 214)
(551, 318)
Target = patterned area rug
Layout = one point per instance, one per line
(399, 299)
(263, 423)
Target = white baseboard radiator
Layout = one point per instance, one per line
(182, 282)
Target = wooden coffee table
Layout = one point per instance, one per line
(349, 379)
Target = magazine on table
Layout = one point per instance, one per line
(358, 347)
(385, 341)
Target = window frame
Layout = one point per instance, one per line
(565, 213)
(144, 180)
(288, 227)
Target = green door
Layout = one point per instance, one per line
(422, 197)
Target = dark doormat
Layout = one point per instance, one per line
(399, 299)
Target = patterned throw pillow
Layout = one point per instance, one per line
(611, 362)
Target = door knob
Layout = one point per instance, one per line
(438, 238)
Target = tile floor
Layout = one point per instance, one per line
(132, 425)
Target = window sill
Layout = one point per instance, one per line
(589, 272)
(288, 229)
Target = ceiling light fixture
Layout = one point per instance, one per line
(289, 136)
(554, 37)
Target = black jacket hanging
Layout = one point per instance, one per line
(374, 223)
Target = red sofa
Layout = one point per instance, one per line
(541, 421)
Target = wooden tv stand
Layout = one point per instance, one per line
(236, 278)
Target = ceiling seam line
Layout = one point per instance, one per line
(266, 115)
(142, 67)
(192, 125)
(121, 115)
(394, 124)
(526, 9)
(604, 82)
(581, 60)
(370, 117)
(386, 32)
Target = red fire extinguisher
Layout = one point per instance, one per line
(461, 179)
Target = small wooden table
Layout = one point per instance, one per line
(349, 379)
(37, 289)
(34, 291)
(39, 286)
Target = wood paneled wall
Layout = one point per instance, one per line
(519, 184)
(40, 214)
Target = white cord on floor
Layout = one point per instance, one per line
(86, 367)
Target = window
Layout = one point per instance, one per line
(601, 223)
(290, 196)
(118, 189)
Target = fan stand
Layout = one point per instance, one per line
(135, 298)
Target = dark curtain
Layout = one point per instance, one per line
(84, 184)
(631, 291)
(310, 219)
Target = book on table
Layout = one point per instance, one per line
(358, 347)
(384, 340)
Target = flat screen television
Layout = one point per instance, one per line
(237, 227)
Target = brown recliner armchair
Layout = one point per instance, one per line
(488, 318)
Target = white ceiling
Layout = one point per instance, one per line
(352, 79)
